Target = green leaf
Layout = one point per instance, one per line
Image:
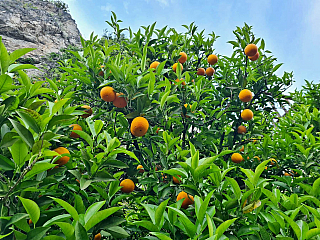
(31, 208)
(313, 232)
(29, 121)
(6, 83)
(39, 167)
(293, 225)
(16, 218)
(151, 209)
(19, 53)
(24, 133)
(210, 160)
(85, 136)
(19, 152)
(316, 187)
(98, 125)
(188, 225)
(235, 187)
(152, 81)
(68, 208)
(223, 227)
(99, 216)
(147, 224)
(259, 169)
(40, 145)
(80, 232)
(53, 237)
(117, 232)
(270, 195)
(67, 229)
(114, 143)
(248, 173)
(65, 119)
(6, 235)
(122, 150)
(195, 160)
(159, 216)
(16, 67)
(78, 204)
(161, 236)
(304, 228)
(211, 226)
(58, 105)
(55, 219)
(6, 164)
(92, 210)
(203, 208)
(264, 234)
(37, 233)
(164, 98)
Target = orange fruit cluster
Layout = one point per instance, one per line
(109, 95)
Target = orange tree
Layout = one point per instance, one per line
(145, 100)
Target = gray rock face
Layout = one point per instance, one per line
(36, 24)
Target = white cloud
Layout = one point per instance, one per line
(314, 17)
(126, 6)
(163, 3)
(108, 7)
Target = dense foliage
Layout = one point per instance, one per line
(116, 144)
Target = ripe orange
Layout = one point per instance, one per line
(210, 71)
(88, 111)
(127, 185)
(141, 169)
(212, 59)
(242, 149)
(183, 57)
(97, 236)
(175, 180)
(201, 71)
(30, 221)
(246, 114)
(75, 127)
(154, 65)
(107, 94)
(188, 199)
(139, 126)
(120, 102)
(236, 158)
(287, 174)
(174, 67)
(101, 74)
(183, 82)
(157, 130)
(242, 129)
(63, 160)
(245, 95)
(255, 57)
(251, 50)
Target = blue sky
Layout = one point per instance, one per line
(290, 28)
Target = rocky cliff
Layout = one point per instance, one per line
(40, 24)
